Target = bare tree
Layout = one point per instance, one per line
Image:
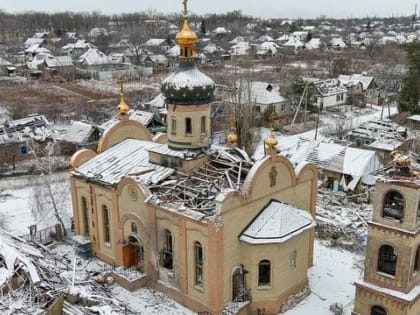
(50, 194)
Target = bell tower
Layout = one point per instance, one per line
(391, 283)
(188, 94)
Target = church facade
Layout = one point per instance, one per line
(204, 224)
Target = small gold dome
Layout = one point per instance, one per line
(123, 108)
(271, 142)
(232, 137)
(186, 36)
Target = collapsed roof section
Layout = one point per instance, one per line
(193, 193)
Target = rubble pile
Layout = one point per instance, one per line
(342, 221)
(295, 299)
(34, 278)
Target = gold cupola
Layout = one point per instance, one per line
(271, 142)
(186, 38)
(122, 107)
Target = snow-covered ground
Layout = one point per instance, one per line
(331, 281)
(16, 202)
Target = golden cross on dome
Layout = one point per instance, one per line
(185, 2)
(121, 82)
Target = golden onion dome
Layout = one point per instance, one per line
(123, 108)
(232, 137)
(271, 142)
(186, 36)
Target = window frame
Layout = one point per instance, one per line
(264, 264)
(188, 126)
(198, 264)
(106, 225)
(85, 215)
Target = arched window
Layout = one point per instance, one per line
(167, 251)
(188, 125)
(417, 260)
(264, 272)
(85, 214)
(134, 227)
(393, 205)
(173, 125)
(377, 310)
(387, 260)
(198, 262)
(203, 124)
(105, 222)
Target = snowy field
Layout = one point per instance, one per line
(17, 200)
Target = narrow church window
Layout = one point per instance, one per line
(105, 218)
(292, 263)
(387, 260)
(203, 124)
(173, 126)
(85, 213)
(198, 263)
(393, 205)
(133, 227)
(273, 176)
(188, 125)
(416, 260)
(264, 270)
(378, 310)
(167, 252)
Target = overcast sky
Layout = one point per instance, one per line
(261, 8)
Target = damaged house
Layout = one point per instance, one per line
(18, 139)
(205, 225)
(382, 136)
(339, 167)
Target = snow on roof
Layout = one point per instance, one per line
(265, 38)
(314, 43)
(259, 92)
(145, 118)
(338, 42)
(33, 41)
(384, 134)
(268, 46)
(94, 57)
(4, 62)
(36, 49)
(220, 30)
(240, 48)
(212, 48)
(129, 157)
(190, 77)
(329, 87)
(78, 132)
(358, 163)
(158, 102)
(59, 61)
(414, 118)
(276, 223)
(32, 127)
(79, 44)
(154, 42)
(350, 80)
(174, 51)
(294, 42)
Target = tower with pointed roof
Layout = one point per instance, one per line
(188, 93)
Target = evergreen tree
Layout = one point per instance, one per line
(203, 28)
(409, 97)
